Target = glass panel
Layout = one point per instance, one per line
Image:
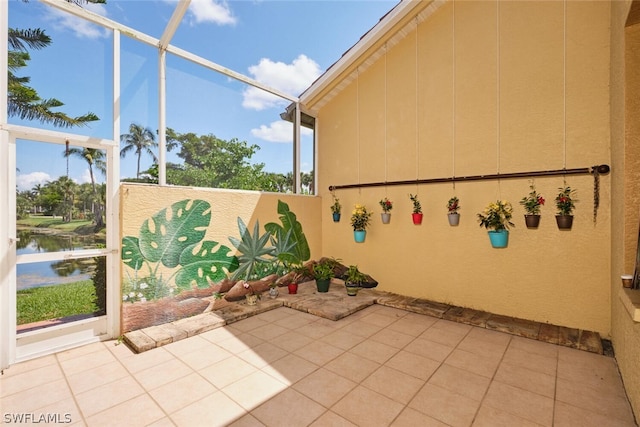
(70, 72)
(51, 293)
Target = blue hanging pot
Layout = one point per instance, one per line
(336, 217)
(359, 235)
(499, 238)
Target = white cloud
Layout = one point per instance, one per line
(279, 131)
(217, 12)
(28, 181)
(86, 177)
(80, 27)
(291, 79)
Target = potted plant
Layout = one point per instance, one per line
(386, 205)
(353, 279)
(532, 203)
(452, 208)
(565, 205)
(298, 272)
(323, 272)
(360, 218)
(252, 297)
(496, 218)
(336, 208)
(273, 290)
(417, 209)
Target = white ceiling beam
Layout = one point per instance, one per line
(174, 23)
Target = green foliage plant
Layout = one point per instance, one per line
(174, 239)
(565, 203)
(417, 208)
(532, 202)
(497, 216)
(323, 270)
(292, 231)
(336, 207)
(453, 205)
(354, 277)
(253, 250)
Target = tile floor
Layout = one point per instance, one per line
(378, 367)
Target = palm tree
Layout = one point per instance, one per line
(22, 100)
(93, 157)
(138, 139)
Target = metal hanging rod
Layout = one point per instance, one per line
(599, 169)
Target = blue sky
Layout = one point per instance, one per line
(282, 44)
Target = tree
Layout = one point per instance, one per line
(139, 140)
(93, 157)
(22, 100)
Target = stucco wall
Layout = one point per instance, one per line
(625, 92)
(480, 89)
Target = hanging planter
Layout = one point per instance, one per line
(417, 210)
(360, 219)
(336, 208)
(532, 204)
(386, 205)
(532, 221)
(452, 211)
(359, 235)
(497, 218)
(336, 217)
(565, 205)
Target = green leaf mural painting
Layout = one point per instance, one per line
(173, 238)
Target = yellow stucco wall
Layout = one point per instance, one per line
(485, 93)
(141, 202)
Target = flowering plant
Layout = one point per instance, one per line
(386, 205)
(417, 208)
(497, 216)
(453, 205)
(360, 218)
(532, 202)
(336, 207)
(564, 201)
(246, 285)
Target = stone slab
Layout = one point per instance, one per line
(198, 324)
(590, 341)
(549, 333)
(138, 341)
(467, 316)
(165, 334)
(568, 337)
(430, 308)
(514, 326)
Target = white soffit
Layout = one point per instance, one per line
(355, 54)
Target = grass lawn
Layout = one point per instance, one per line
(79, 226)
(52, 302)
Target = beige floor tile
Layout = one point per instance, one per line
(119, 349)
(569, 416)
(30, 379)
(535, 362)
(66, 412)
(162, 422)
(413, 364)
(27, 366)
(289, 408)
(593, 400)
(392, 338)
(263, 354)
(365, 407)
(535, 347)
(34, 398)
(379, 319)
(227, 371)
(362, 329)
(163, 373)
(394, 384)
(597, 372)
(442, 336)
(412, 418)
(214, 410)
(445, 406)
(87, 362)
(239, 343)
(273, 316)
(146, 360)
(460, 381)
(290, 369)
(410, 326)
(100, 375)
(136, 412)
(80, 351)
(319, 353)
(218, 334)
(487, 335)
(269, 331)
(492, 417)
(253, 390)
(342, 339)
(249, 324)
(521, 403)
(325, 387)
(486, 348)
(395, 313)
(374, 350)
(247, 420)
(331, 419)
(100, 398)
(291, 341)
(481, 365)
(526, 379)
(430, 349)
(207, 356)
(188, 345)
(316, 330)
(352, 367)
(182, 392)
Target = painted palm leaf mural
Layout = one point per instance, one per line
(173, 237)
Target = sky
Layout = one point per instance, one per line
(282, 44)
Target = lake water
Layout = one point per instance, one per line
(57, 272)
